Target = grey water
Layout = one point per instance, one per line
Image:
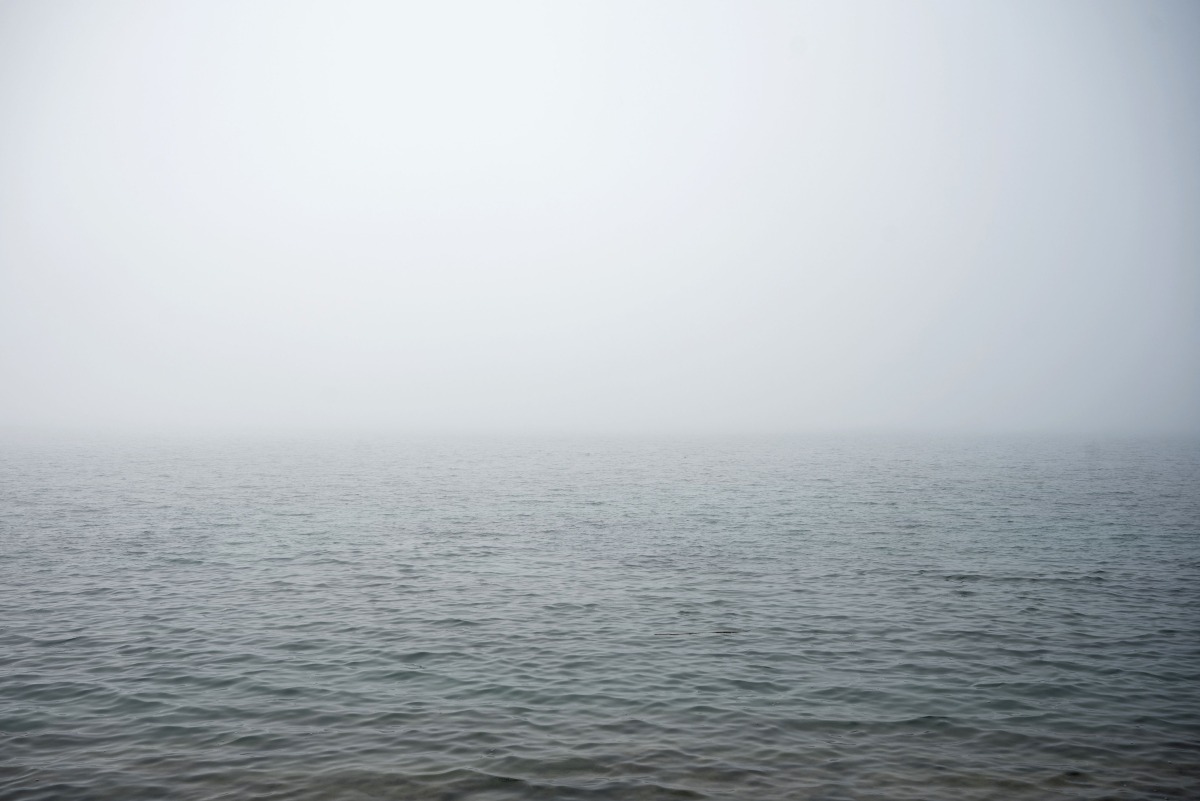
(821, 617)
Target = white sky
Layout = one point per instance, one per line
(600, 215)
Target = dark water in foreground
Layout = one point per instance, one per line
(538, 619)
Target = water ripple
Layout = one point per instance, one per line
(820, 618)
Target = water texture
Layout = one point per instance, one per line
(789, 618)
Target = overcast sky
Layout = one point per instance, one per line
(738, 216)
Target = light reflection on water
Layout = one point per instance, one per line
(477, 619)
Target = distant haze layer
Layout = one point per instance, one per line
(605, 216)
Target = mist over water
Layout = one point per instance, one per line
(473, 400)
(471, 216)
(795, 618)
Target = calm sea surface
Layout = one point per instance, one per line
(793, 618)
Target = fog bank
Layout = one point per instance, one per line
(600, 216)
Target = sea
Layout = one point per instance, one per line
(849, 616)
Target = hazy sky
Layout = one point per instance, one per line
(600, 215)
